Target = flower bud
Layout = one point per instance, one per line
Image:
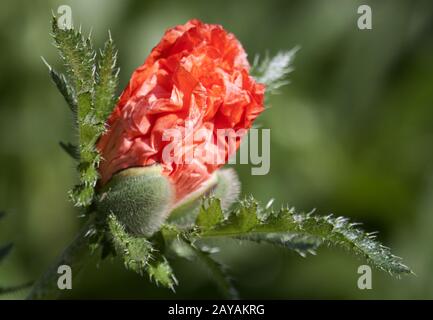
(140, 198)
(194, 87)
(165, 139)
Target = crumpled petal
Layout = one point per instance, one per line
(195, 81)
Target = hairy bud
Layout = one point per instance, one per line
(140, 198)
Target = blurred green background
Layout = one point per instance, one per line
(351, 135)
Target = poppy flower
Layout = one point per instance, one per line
(195, 83)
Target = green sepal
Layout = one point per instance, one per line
(224, 185)
(140, 198)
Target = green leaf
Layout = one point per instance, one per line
(241, 218)
(301, 244)
(251, 221)
(218, 271)
(63, 86)
(79, 59)
(160, 271)
(136, 252)
(210, 213)
(140, 255)
(92, 96)
(71, 150)
(81, 195)
(5, 250)
(106, 81)
(273, 71)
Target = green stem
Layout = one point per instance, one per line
(75, 255)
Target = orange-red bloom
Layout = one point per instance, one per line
(197, 76)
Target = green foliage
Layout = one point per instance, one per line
(71, 149)
(63, 86)
(249, 221)
(302, 244)
(140, 255)
(90, 93)
(136, 252)
(273, 71)
(106, 80)
(78, 57)
(300, 231)
(160, 271)
(210, 213)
